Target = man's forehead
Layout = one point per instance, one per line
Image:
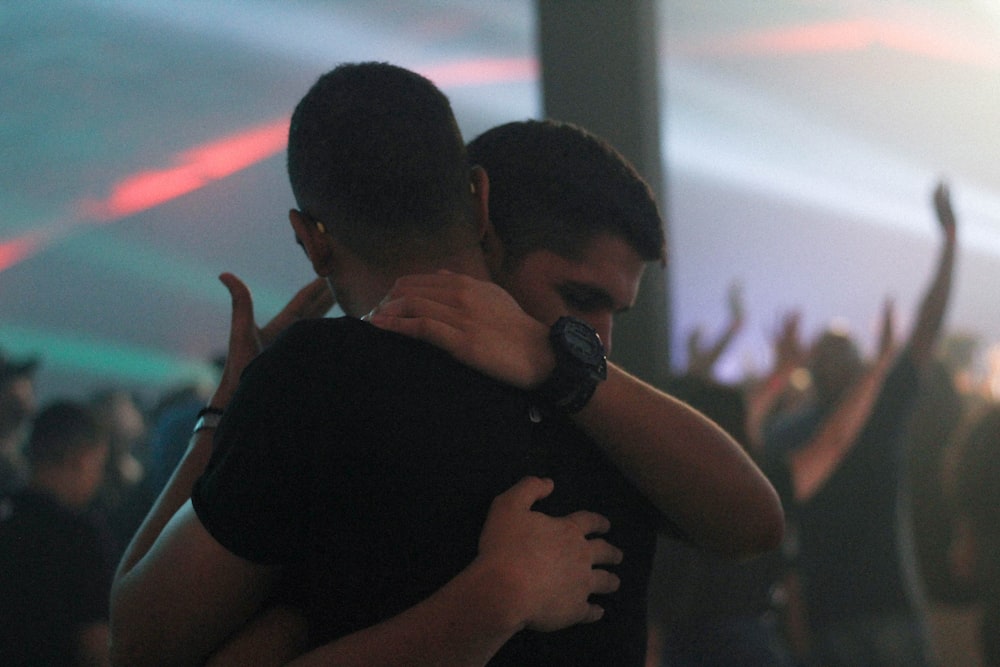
(610, 265)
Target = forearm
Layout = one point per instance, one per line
(686, 465)
(812, 464)
(176, 492)
(934, 303)
(463, 624)
(184, 598)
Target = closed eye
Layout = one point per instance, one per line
(586, 298)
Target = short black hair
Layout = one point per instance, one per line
(555, 186)
(60, 429)
(375, 153)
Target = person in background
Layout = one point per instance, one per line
(17, 406)
(973, 487)
(55, 558)
(121, 498)
(854, 560)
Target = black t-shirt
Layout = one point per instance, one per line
(55, 578)
(365, 463)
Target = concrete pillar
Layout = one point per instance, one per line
(599, 70)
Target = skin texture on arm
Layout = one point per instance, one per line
(935, 301)
(181, 601)
(686, 465)
(812, 464)
(92, 645)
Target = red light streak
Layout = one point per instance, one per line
(202, 165)
(16, 250)
(197, 168)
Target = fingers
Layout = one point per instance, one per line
(942, 205)
(594, 613)
(414, 306)
(604, 582)
(590, 523)
(239, 294)
(313, 300)
(525, 493)
(603, 552)
(887, 337)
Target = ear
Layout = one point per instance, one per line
(493, 249)
(317, 242)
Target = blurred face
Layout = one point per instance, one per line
(602, 282)
(835, 364)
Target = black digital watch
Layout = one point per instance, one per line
(581, 365)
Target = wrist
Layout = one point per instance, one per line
(498, 593)
(208, 418)
(579, 365)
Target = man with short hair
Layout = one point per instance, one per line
(360, 466)
(55, 559)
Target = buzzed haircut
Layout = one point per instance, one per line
(555, 186)
(375, 153)
(60, 429)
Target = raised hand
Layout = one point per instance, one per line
(246, 340)
(475, 321)
(550, 564)
(887, 337)
(789, 352)
(942, 206)
(702, 359)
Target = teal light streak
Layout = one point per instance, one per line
(102, 359)
(130, 261)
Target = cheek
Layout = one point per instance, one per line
(542, 304)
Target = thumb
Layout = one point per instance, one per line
(242, 302)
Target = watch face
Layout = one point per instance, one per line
(584, 342)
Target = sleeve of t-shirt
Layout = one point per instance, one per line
(252, 496)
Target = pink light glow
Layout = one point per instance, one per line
(482, 72)
(846, 36)
(16, 250)
(196, 168)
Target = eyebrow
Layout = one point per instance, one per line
(594, 297)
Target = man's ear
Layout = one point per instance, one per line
(493, 249)
(315, 240)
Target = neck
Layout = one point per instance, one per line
(368, 287)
